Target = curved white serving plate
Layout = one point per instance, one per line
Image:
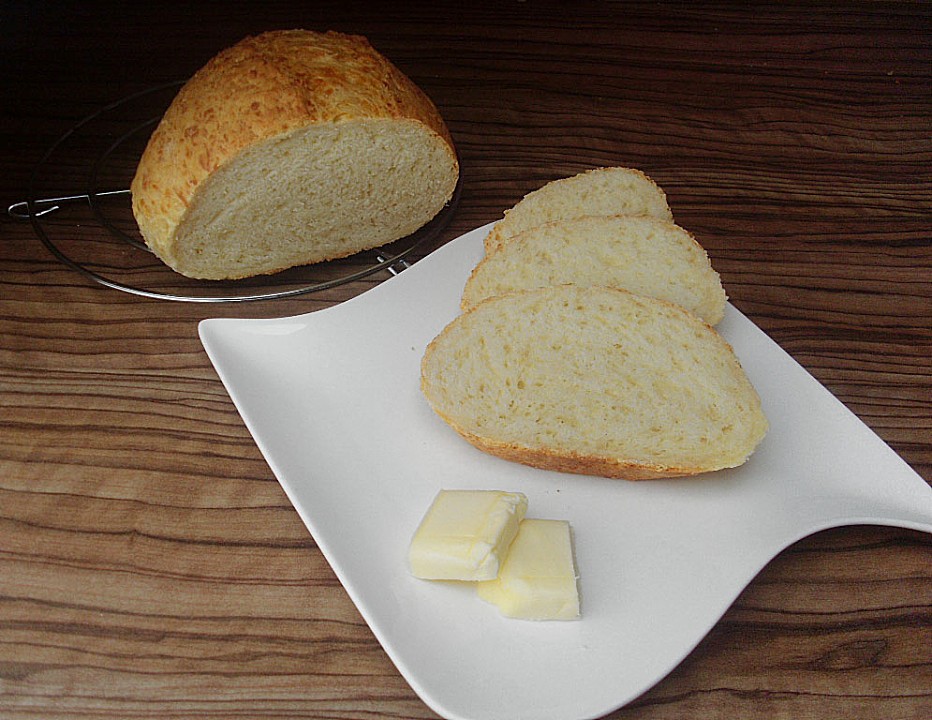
(332, 399)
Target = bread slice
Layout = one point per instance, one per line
(642, 254)
(291, 147)
(597, 381)
(602, 191)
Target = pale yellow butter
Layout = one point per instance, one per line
(465, 534)
(538, 578)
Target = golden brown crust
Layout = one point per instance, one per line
(573, 463)
(265, 85)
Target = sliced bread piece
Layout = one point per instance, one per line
(602, 191)
(642, 254)
(597, 381)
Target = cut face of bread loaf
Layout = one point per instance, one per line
(602, 191)
(642, 254)
(290, 148)
(595, 381)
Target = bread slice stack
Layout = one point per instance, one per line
(586, 342)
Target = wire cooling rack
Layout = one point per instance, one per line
(91, 228)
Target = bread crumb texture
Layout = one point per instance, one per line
(600, 191)
(593, 380)
(289, 148)
(642, 254)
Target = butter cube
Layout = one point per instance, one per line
(538, 578)
(465, 534)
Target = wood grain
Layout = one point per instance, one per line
(150, 565)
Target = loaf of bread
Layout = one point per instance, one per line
(289, 148)
(602, 191)
(642, 254)
(595, 381)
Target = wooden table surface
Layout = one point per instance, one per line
(150, 564)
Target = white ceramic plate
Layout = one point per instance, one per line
(332, 399)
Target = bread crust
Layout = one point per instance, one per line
(573, 463)
(264, 86)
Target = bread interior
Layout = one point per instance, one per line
(595, 373)
(641, 254)
(318, 193)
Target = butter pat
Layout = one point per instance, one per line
(465, 534)
(538, 578)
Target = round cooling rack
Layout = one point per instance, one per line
(92, 229)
